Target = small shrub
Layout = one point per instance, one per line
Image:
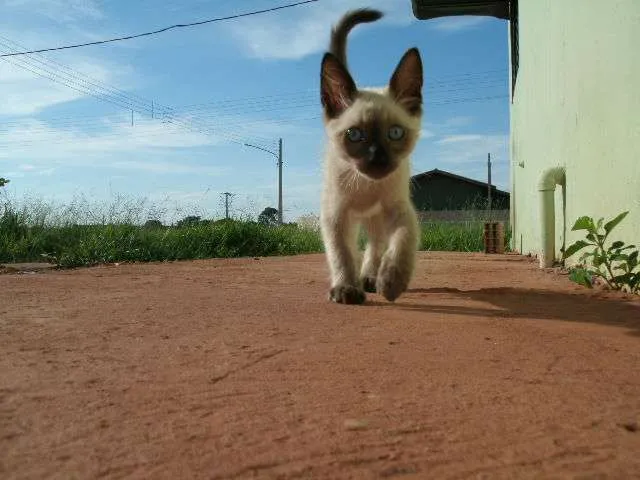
(616, 265)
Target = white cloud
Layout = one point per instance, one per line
(456, 24)
(467, 156)
(305, 30)
(106, 141)
(24, 93)
(32, 170)
(29, 87)
(459, 121)
(424, 134)
(45, 145)
(32, 83)
(459, 138)
(62, 11)
(472, 148)
(167, 167)
(449, 127)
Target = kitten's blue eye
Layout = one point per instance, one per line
(355, 135)
(396, 132)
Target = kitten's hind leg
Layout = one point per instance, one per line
(398, 261)
(339, 236)
(376, 243)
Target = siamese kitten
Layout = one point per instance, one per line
(371, 135)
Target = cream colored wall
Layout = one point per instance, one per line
(577, 105)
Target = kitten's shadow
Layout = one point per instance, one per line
(520, 303)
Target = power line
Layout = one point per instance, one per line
(62, 69)
(446, 80)
(17, 133)
(295, 100)
(214, 123)
(104, 123)
(94, 127)
(468, 100)
(23, 132)
(66, 76)
(155, 32)
(99, 90)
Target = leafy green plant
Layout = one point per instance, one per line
(616, 265)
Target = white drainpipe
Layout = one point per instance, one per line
(546, 188)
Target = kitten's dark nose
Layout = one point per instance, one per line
(377, 156)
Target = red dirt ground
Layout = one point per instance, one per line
(487, 368)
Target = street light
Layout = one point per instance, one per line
(279, 158)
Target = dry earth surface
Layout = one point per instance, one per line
(486, 368)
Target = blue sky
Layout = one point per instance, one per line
(65, 117)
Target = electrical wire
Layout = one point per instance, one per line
(212, 123)
(235, 138)
(67, 71)
(122, 99)
(447, 80)
(161, 30)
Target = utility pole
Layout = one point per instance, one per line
(280, 181)
(226, 204)
(278, 156)
(489, 181)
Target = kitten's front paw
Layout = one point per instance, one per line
(392, 282)
(347, 294)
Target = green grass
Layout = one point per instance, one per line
(34, 233)
(455, 236)
(75, 245)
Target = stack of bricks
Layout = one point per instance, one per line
(494, 237)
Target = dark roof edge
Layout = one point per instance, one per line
(428, 9)
(436, 171)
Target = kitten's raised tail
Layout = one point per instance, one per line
(338, 46)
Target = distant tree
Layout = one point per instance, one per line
(3, 181)
(153, 224)
(269, 216)
(188, 221)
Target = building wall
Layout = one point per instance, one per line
(577, 105)
(440, 192)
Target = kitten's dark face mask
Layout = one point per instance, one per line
(376, 148)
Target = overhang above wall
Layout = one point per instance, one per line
(426, 9)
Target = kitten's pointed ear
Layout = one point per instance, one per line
(406, 82)
(337, 88)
